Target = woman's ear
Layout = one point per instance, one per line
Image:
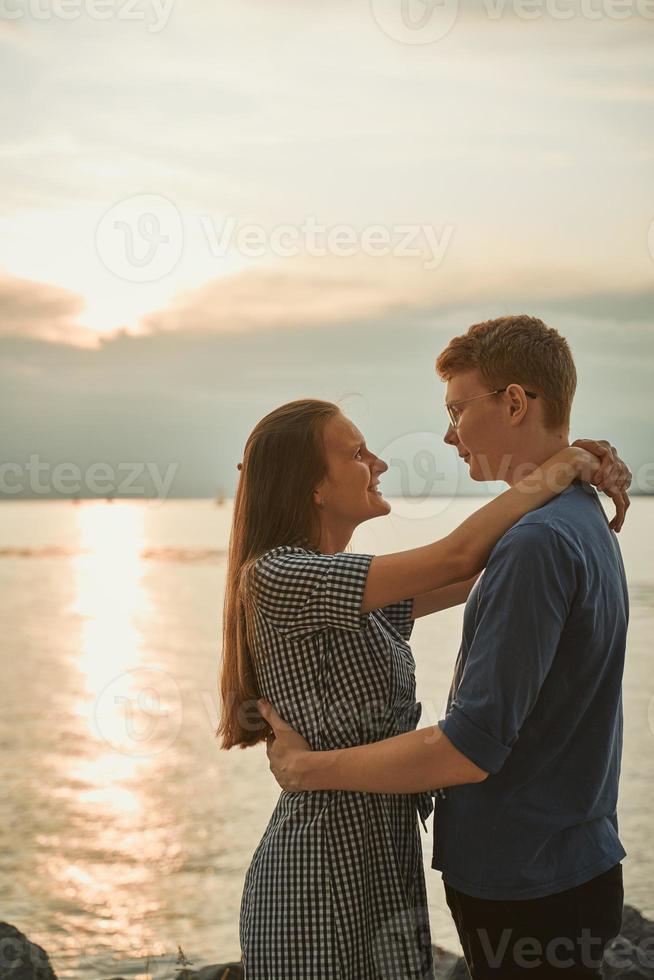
(321, 492)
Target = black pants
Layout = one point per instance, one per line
(559, 936)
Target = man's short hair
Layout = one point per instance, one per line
(517, 350)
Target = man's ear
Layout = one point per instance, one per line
(517, 403)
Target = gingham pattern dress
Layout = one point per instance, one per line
(335, 889)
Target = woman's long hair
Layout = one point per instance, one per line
(283, 462)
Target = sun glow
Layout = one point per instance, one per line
(100, 291)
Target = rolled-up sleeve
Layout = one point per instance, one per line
(475, 743)
(400, 616)
(524, 598)
(302, 593)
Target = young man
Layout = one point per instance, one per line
(526, 835)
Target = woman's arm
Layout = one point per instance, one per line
(464, 552)
(445, 598)
(612, 478)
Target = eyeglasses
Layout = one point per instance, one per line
(455, 414)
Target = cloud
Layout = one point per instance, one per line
(327, 292)
(12, 35)
(190, 397)
(288, 296)
(620, 306)
(40, 310)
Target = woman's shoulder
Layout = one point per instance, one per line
(287, 549)
(287, 556)
(284, 576)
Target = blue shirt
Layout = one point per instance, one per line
(536, 702)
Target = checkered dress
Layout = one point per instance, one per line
(336, 888)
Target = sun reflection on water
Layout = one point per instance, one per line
(116, 836)
(110, 597)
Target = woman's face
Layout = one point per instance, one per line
(350, 490)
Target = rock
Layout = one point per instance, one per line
(21, 959)
(220, 971)
(227, 971)
(631, 954)
(449, 966)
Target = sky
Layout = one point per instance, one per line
(209, 209)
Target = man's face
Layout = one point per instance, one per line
(483, 435)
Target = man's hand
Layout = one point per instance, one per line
(613, 476)
(414, 762)
(285, 748)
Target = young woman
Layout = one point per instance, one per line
(336, 886)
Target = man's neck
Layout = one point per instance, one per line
(534, 454)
